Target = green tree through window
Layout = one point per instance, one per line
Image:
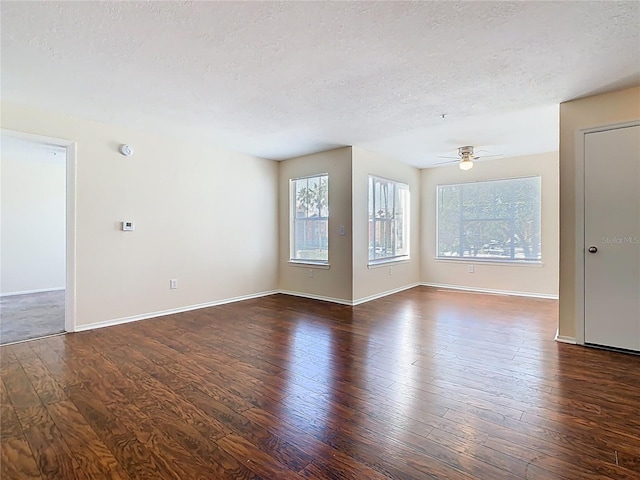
(310, 219)
(498, 219)
(388, 220)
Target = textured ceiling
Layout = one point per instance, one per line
(281, 79)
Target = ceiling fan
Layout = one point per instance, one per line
(466, 157)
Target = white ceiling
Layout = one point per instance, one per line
(282, 79)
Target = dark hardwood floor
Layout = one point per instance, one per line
(422, 384)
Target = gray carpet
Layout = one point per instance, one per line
(32, 315)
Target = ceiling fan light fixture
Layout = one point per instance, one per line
(466, 164)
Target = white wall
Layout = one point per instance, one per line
(32, 247)
(376, 280)
(205, 216)
(514, 278)
(218, 222)
(334, 283)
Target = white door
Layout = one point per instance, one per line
(612, 238)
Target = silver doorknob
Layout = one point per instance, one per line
(593, 249)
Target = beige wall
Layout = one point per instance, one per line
(599, 110)
(517, 278)
(179, 193)
(32, 247)
(205, 216)
(370, 282)
(334, 283)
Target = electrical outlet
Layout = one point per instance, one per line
(390, 270)
(173, 283)
(470, 269)
(310, 273)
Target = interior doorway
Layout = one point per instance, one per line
(612, 238)
(36, 258)
(608, 237)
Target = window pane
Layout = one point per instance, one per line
(388, 219)
(494, 220)
(309, 239)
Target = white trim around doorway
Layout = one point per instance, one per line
(579, 221)
(71, 147)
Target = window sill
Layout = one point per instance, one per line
(387, 262)
(478, 261)
(309, 263)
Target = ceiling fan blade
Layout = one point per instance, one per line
(444, 156)
(480, 157)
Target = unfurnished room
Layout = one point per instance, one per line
(320, 240)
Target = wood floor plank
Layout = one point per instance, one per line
(336, 471)
(276, 447)
(547, 438)
(26, 402)
(43, 382)
(255, 459)
(53, 455)
(564, 464)
(509, 466)
(140, 461)
(17, 461)
(326, 458)
(58, 367)
(423, 384)
(91, 454)
(178, 448)
(9, 423)
(160, 401)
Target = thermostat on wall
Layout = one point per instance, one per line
(128, 226)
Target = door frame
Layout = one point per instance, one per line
(70, 147)
(579, 220)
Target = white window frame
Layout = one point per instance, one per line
(508, 260)
(293, 205)
(401, 231)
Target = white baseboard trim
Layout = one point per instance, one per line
(491, 291)
(316, 297)
(26, 292)
(145, 316)
(347, 302)
(384, 294)
(565, 339)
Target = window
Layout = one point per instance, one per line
(309, 206)
(388, 220)
(494, 220)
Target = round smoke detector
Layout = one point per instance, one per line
(126, 150)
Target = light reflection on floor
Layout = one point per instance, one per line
(452, 328)
(421, 358)
(310, 374)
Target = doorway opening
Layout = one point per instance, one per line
(37, 231)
